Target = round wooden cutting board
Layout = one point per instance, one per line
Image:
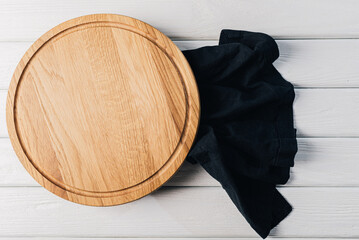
(102, 109)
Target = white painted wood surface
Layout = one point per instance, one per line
(192, 19)
(317, 164)
(318, 63)
(319, 45)
(317, 113)
(176, 212)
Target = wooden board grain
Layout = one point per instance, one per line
(317, 159)
(176, 212)
(191, 19)
(305, 63)
(102, 109)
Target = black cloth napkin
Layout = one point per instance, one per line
(246, 139)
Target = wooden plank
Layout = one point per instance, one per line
(176, 212)
(11, 53)
(305, 63)
(327, 112)
(318, 112)
(12, 173)
(319, 63)
(319, 162)
(192, 19)
(317, 159)
(311, 63)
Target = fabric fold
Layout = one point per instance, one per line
(246, 139)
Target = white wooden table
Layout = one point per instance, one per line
(319, 44)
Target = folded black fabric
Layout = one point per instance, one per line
(246, 139)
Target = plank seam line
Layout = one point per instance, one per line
(210, 187)
(149, 238)
(154, 238)
(179, 39)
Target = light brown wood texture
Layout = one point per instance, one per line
(102, 109)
